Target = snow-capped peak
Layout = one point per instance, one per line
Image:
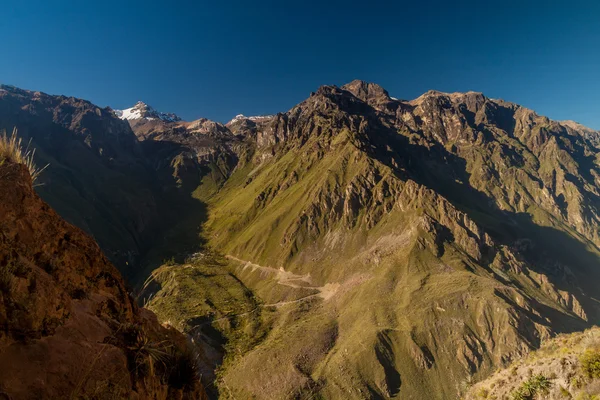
(254, 118)
(142, 110)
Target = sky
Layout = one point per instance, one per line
(216, 59)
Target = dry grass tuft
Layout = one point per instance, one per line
(11, 148)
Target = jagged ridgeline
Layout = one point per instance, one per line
(359, 246)
(460, 232)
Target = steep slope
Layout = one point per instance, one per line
(68, 327)
(183, 156)
(564, 367)
(99, 179)
(359, 246)
(124, 191)
(189, 151)
(453, 232)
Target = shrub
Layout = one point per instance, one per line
(537, 384)
(590, 363)
(577, 382)
(565, 392)
(183, 369)
(483, 393)
(586, 396)
(11, 149)
(144, 354)
(146, 357)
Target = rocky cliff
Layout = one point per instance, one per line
(68, 326)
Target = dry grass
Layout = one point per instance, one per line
(12, 149)
(565, 367)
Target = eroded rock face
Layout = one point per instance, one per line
(68, 326)
(370, 93)
(447, 204)
(186, 152)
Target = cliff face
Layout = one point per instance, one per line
(68, 327)
(189, 151)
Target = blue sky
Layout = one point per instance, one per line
(216, 59)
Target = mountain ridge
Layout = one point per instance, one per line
(458, 231)
(173, 117)
(480, 179)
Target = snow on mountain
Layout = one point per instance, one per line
(129, 113)
(142, 110)
(255, 118)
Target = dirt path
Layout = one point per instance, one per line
(283, 277)
(287, 278)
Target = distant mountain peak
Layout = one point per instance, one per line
(367, 91)
(451, 96)
(577, 126)
(254, 118)
(142, 110)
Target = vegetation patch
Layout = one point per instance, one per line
(11, 149)
(535, 385)
(590, 363)
(148, 357)
(565, 367)
(204, 299)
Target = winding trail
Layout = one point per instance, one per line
(287, 278)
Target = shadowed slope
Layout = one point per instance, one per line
(68, 327)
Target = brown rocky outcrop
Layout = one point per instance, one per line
(68, 326)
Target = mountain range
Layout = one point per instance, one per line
(356, 246)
